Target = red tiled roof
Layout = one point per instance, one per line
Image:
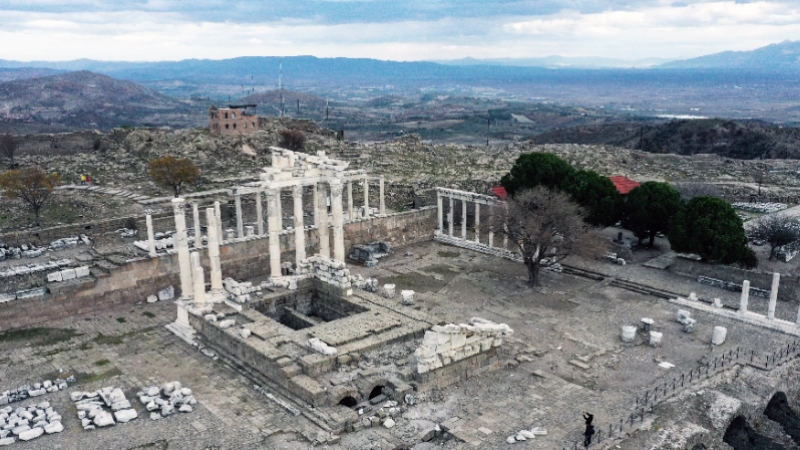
(500, 191)
(623, 184)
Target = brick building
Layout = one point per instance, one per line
(232, 120)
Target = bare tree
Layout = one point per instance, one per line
(30, 185)
(8, 147)
(775, 229)
(759, 175)
(690, 189)
(546, 226)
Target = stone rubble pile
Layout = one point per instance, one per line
(35, 390)
(524, 435)
(28, 269)
(328, 270)
(28, 423)
(33, 251)
(127, 232)
(614, 259)
(446, 344)
(685, 319)
(102, 408)
(321, 347)
(166, 401)
(168, 293)
(368, 284)
(240, 292)
(765, 208)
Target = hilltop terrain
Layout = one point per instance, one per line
(743, 140)
(84, 100)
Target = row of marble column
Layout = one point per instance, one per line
(773, 298)
(192, 275)
(319, 196)
(451, 216)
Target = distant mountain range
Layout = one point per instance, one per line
(783, 56)
(558, 62)
(83, 100)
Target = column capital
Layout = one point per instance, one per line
(271, 192)
(336, 187)
(297, 191)
(177, 205)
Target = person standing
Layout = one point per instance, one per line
(83, 180)
(587, 435)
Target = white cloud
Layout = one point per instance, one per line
(156, 30)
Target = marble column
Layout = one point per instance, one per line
(274, 226)
(218, 213)
(450, 217)
(383, 201)
(181, 244)
(322, 224)
(259, 214)
(350, 215)
(798, 317)
(491, 226)
(338, 219)
(440, 206)
(239, 225)
(316, 203)
(213, 251)
(198, 233)
(477, 223)
(366, 197)
(463, 219)
(773, 295)
(299, 227)
(199, 281)
(745, 297)
(151, 241)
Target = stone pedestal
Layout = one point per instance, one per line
(407, 297)
(151, 242)
(299, 226)
(249, 231)
(388, 290)
(213, 252)
(773, 296)
(745, 297)
(647, 324)
(181, 243)
(181, 327)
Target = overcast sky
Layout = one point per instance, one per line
(149, 30)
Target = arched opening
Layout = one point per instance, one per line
(348, 401)
(376, 391)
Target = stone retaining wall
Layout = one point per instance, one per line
(242, 259)
(789, 289)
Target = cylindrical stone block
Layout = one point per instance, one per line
(720, 333)
(407, 297)
(655, 338)
(628, 333)
(388, 290)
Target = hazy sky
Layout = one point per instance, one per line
(389, 29)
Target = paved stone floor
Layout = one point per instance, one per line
(566, 319)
